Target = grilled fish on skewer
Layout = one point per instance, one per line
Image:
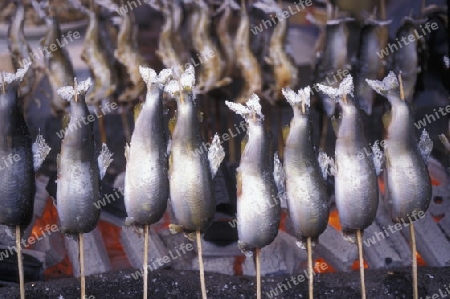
(20, 49)
(332, 57)
(79, 171)
(369, 66)
(59, 66)
(191, 172)
(20, 158)
(223, 34)
(245, 59)
(146, 178)
(356, 187)
(307, 198)
(258, 207)
(128, 54)
(408, 182)
(284, 69)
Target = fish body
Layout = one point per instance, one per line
(406, 58)
(408, 181)
(94, 56)
(19, 48)
(258, 206)
(246, 61)
(307, 198)
(146, 177)
(332, 58)
(17, 184)
(191, 184)
(78, 181)
(166, 52)
(369, 66)
(284, 68)
(60, 69)
(356, 187)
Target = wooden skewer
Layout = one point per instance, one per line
(310, 268)
(101, 124)
(258, 273)
(3, 83)
(402, 93)
(81, 257)
(361, 264)
(19, 263)
(145, 265)
(414, 261)
(126, 125)
(280, 132)
(200, 263)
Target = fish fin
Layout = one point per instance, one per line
(216, 154)
(40, 151)
(172, 124)
(302, 97)
(301, 244)
(445, 141)
(279, 175)
(326, 164)
(390, 82)
(137, 110)
(425, 146)
(104, 160)
(175, 228)
(252, 107)
(378, 158)
(345, 87)
(336, 123)
(386, 119)
(191, 236)
(285, 133)
(350, 236)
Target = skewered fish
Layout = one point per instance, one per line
(356, 187)
(59, 66)
(19, 157)
(146, 178)
(246, 61)
(79, 171)
(408, 182)
(307, 198)
(369, 66)
(285, 71)
(20, 49)
(128, 54)
(191, 172)
(258, 206)
(95, 57)
(331, 58)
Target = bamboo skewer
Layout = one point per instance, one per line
(145, 265)
(258, 272)
(200, 263)
(20, 263)
(414, 261)
(81, 258)
(361, 264)
(101, 124)
(310, 269)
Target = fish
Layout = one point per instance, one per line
(246, 61)
(209, 59)
(258, 204)
(285, 72)
(369, 66)
(408, 183)
(94, 55)
(407, 59)
(191, 170)
(127, 53)
(356, 186)
(178, 44)
(225, 40)
(332, 59)
(307, 198)
(79, 171)
(146, 178)
(20, 157)
(20, 49)
(59, 67)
